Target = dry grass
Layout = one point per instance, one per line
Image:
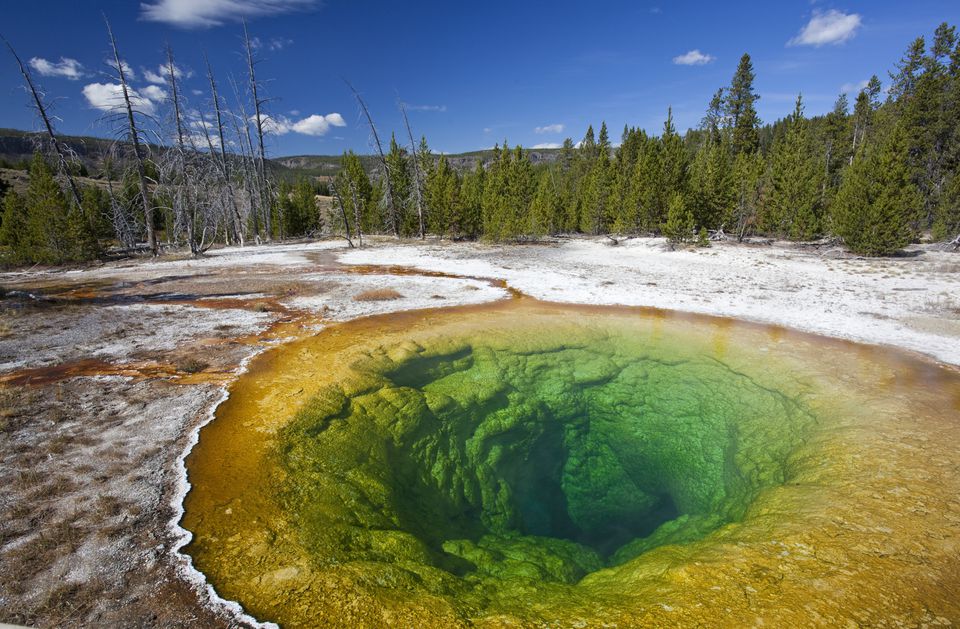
(191, 365)
(378, 294)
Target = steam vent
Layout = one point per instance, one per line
(522, 464)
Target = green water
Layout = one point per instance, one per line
(470, 468)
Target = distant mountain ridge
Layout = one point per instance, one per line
(17, 146)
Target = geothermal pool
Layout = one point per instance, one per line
(525, 463)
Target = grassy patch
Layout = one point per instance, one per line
(191, 365)
(378, 294)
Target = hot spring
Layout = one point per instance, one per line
(529, 464)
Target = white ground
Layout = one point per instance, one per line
(909, 302)
(82, 452)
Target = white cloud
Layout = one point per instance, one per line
(315, 124)
(67, 68)
(109, 97)
(550, 128)
(154, 93)
(487, 129)
(197, 92)
(160, 76)
(546, 145)
(693, 58)
(207, 13)
(832, 27)
(437, 108)
(319, 125)
(853, 88)
(128, 72)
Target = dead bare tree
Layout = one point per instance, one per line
(40, 107)
(224, 163)
(134, 136)
(251, 177)
(258, 120)
(184, 205)
(392, 217)
(417, 173)
(343, 212)
(357, 211)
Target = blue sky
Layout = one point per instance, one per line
(473, 73)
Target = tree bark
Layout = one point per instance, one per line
(135, 140)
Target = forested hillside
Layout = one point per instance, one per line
(877, 173)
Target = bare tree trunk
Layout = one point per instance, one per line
(252, 178)
(343, 213)
(135, 140)
(391, 206)
(41, 109)
(261, 155)
(418, 176)
(191, 212)
(224, 164)
(357, 212)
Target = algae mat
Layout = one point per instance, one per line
(529, 464)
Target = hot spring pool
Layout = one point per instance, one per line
(533, 464)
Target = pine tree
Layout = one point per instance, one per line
(13, 229)
(596, 192)
(748, 169)
(793, 208)
(353, 185)
(569, 218)
(471, 202)
(85, 224)
(603, 141)
(877, 197)
(836, 146)
(740, 109)
(646, 195)
(711, 173)
(864, 111)
(672, 178)
(521, 186)
(543, 209)
(679, 226)
(495, 195)
(442, 196)
(402, 185)
(47, 227)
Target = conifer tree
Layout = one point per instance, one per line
(836, 145)
(711, 173)
(794, 205)
(543, 208)
(13, 229)
(495, 194)
(471, 202)
(748, 169)
(569, 218)
(401, 183)
(47, 227)
(872, 209)
(679, 225)
(646, 195)
(864, 111)
(521, 185)
(596, 192)
(673, 171)
(358, 195)
(442, 196)
(740, 109)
